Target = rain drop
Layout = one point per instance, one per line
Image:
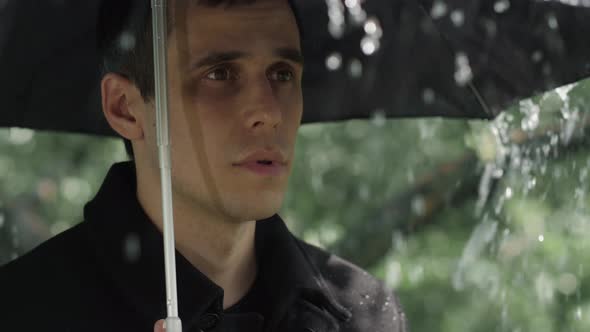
(579, 313)
(537, 56)
(428, 96)
(501, 6)
(458, 17)
(439, 9)
(132, 248)
(126, 41)
(355, 68)
(334, 61)
(20, 136)
(2, 220)
(370, 27)
(419, 206)
(541, 238)
(508, 192)
(351, 3)
(552, 22)
(379, 118)
(463, 73)
(369, 45)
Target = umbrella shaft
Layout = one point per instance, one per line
(161, 95)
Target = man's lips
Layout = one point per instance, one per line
(270, 169)
(264, 162)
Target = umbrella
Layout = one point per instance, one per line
(396, 58)
(458, 61)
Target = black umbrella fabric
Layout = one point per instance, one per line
(466, 59)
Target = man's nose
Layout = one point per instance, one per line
(263, 108)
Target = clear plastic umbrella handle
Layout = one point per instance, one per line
(173, 323)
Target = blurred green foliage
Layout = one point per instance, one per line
(479, 226)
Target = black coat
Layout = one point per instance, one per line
(106, 274)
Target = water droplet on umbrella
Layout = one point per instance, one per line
(334, 61)
(501, 6)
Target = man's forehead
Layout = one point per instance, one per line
(263, 24)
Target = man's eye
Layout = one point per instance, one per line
(221, 74)
(282, 75)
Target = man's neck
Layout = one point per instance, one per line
(221, 249)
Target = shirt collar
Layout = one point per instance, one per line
(130, 249)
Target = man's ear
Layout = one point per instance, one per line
(123, 106)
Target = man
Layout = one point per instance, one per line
(234, 72)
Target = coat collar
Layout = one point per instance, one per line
(130, 250)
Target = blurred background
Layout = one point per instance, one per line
(478, 225)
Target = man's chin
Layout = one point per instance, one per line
(259, 208)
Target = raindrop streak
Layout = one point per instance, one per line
(336, 16)
(463, 73)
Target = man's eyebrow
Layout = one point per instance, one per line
(214, 58)
(291, 54)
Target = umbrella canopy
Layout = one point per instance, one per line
(395, 58)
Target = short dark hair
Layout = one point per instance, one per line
(125, 40)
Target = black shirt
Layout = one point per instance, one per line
(87, 279)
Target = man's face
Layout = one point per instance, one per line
(235, 100)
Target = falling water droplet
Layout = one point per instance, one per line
(501, 6)
(552, 21)
(458, 17)
(541, 238)
(537, 56)
(126, 41)
(379, 118)
(355, 68)
(439, 9)
(132, 248)
(369, 45)
(428, 96)
(334, 61)
(508, 193)
(463, 73)
(372, 27)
